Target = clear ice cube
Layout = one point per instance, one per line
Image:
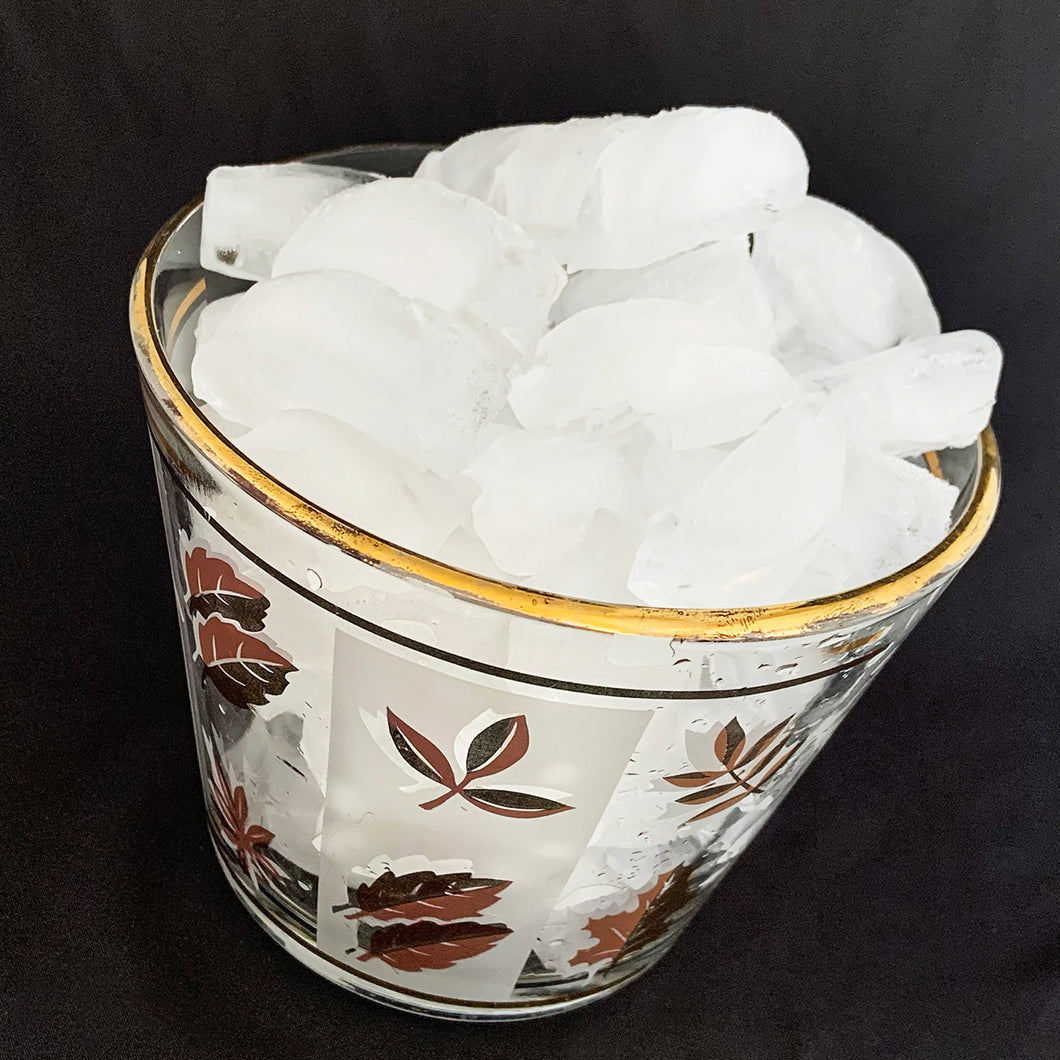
(250, 211)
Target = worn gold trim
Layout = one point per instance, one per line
(775, 621)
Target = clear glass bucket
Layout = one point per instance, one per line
(457, 796)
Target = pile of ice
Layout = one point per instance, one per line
(621, 358)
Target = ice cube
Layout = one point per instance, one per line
(540, 491)
(463, 549)
(206, 325)
(719, 275)
(839, 288)
(892, 513)
(469, 164)
(743, 535)
(211, 316)
(410, 376)
(228, 428)
(687, 176)
(436, 245)
(598, 568)
(250, 211)
(348, 474)
(667, 475)
(620, 192)
(694, 367)
(931, 393)
(545, 178)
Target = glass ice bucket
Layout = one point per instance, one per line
(457, 796)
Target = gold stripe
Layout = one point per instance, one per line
(931, 458)
(775, 621)
(186, 303)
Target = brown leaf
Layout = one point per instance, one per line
(513, 803)
(258, 836)
(729, 743)
(244, 669)
(446, 896)
(620, 933)
(761, 744)
(215, 588)
(611, 931)
(719, 807)
(715, 791)
(415, 947)
(694, 780)
(763, 762)
(778, 764)
(497, 747)
(419, 752)
(674, 896)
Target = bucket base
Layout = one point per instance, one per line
(301, 947)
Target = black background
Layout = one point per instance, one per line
(904, 902)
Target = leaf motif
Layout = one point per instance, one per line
(715, 791)
(675, 895)
(446, 896)
(239, 806)
(729, 742)
(694, 780)
(513, 803)
(248, 612)
(761, 744)
(742, 767)
(778, 764)
(764, 761)
(611, 931)
(497, 747)
(719, 808)
(215, 588)
(419, 752)
(244, 669)
(426, 945)
(258, 835)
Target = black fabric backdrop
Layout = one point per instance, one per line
(904, 902)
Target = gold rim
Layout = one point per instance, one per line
(774, 621)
